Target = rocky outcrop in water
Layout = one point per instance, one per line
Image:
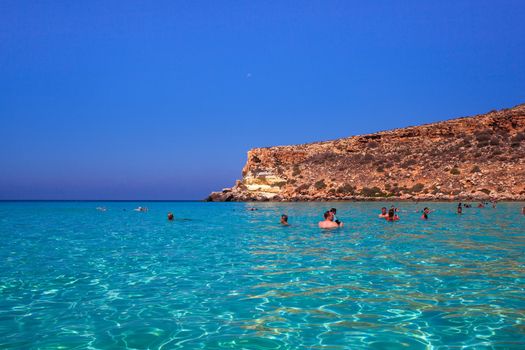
(472, 158)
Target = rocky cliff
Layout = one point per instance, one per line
(473, 158)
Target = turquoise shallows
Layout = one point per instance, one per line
(73, 277)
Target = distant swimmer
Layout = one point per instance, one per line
(523, 210)
(426, 211)
(481, 205)
(460, 209)
(170, 216)
(141, 209)
(284, 220)
(334, 218)
(396, 210)
(101, 209)
(392, 216)
(328, 221)
(252, 209)
(384, 213)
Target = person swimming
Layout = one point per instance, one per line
(396, 209)
(334, 218)
(284, 220)
(141, 209)
(171, 216)
(384, 213)
(426, 211)
(328, 221)
(392, 216)
(460, 209)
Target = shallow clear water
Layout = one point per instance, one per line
(75, 277)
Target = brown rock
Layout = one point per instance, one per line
(473, 158)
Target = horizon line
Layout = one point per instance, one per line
(102, 200)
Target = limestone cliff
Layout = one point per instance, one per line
(472, 158)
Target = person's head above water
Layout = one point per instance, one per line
(284, 219)
(328, 221)
(170, 216)
(426, 210)
(383, 210)
(391, 212)
(333, 210)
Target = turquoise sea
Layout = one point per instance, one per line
(223, 277)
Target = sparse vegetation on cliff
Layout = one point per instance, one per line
(319, 185)
(475, 169)
(455, 171)
(372, 192)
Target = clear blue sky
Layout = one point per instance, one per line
(162, 100)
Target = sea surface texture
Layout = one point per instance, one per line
(223, 277)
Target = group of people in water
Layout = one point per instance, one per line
(391, 214)
(331, 221)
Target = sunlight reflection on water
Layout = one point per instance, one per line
(232, 278)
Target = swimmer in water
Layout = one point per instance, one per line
(460, 209)
(523, 210)
(284, 220)
(334, 218)
(170, 216)
(426, 211)
(384, 213)
(392, 216)
(328, 221)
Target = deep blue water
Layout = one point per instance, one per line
(75, 277)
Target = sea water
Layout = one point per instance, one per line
(222, 276)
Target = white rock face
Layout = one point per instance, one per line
(266, 185)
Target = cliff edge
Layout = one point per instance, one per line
(472, 158)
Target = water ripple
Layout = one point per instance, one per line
(76, 278)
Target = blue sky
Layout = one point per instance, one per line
(162, 100)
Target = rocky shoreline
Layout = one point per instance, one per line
(476, 158)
